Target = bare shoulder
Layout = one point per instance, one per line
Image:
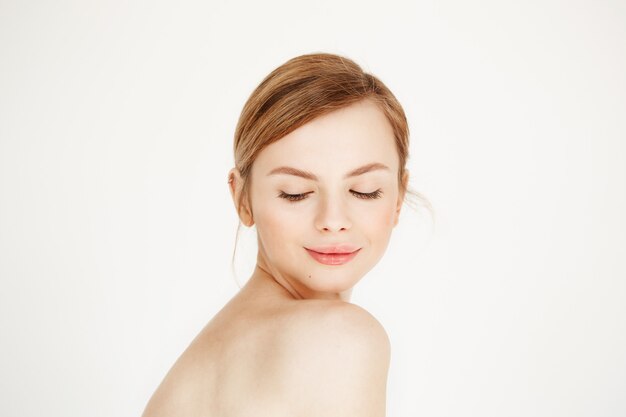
(318, 320)
(334, 361)
(180, 392)
(174, 396)
(306, 358)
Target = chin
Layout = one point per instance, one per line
(325, 281)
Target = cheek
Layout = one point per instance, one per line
(378, 226)
(276, 227)
(379, 218)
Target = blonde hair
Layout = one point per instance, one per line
(298, 91)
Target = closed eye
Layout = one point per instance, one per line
(292, 197)
(298, 197)
(372, 195)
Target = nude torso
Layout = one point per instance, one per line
(227, 370)
(237, 349)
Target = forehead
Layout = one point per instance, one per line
(335, 143)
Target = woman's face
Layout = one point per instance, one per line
(329, 186)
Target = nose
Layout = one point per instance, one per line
(332, 215)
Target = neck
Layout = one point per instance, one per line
(264, 284)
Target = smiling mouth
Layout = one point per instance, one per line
(332, 258)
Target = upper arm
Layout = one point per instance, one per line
(335, 364)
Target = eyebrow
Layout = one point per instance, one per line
(309, 176)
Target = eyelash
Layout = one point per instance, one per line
(364, 196)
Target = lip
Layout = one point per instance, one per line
(330, 258)
(342, 248)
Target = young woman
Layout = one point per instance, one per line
(320, 153)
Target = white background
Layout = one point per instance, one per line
(117, 228)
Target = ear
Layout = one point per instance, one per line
(405, 182)
(235, 184)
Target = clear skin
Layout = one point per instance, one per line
(266, 332)
(329, 209)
